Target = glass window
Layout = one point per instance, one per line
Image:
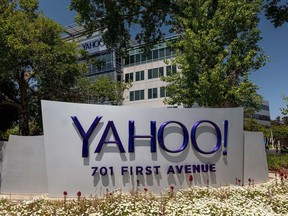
(168, 70)
(129, 77)
(161, 71)
(137, 60)
(132, 59)
(155, 93)
(152, 93)
(150, 74)
(139, 75)
(143, 57)
(174, 69)
(155, 54)
(162, 91)
(132, 96)
(127, 61)
(155, 73)
(118, 77)
(149, 93)
(126, 78)
(109, 57)
(139, 95)
(161, 53)
(149, 56)
(171, 69)
(109, 65)
(168, 52)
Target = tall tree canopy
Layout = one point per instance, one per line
(216, 47)
(277, 12)
(117, 19)
(217, 50)
(35, 63)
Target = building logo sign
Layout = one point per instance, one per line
(93, 45)
(153, 136)
(96, 148)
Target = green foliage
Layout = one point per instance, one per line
(115, 19)
(216, 47)
(103, 91)
(277, 162)
(4, 135)
(252, 125)
(216, 51)
(277, 12)
(35, 63)
(285, 120)
(280, 132)
(285, 109)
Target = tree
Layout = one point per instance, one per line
(285, 120)
(35, 63)
(285, 109)
(216, 46)
(277, 12)
(103, 91)
(116, 19)
(8, 117)
(276, 122)
(217, 50)
(280, 132)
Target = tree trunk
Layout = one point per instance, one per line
(24, 122)
(23, 112)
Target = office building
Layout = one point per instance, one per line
(142, 69)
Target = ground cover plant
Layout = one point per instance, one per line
(270, 198)
(277, 162)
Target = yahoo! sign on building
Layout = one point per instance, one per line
(93, 148)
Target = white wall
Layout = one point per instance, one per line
(23, 159)
(24, 167)
(255, 162)
(3, 145)
(67, 170)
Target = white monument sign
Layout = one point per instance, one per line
(98, 148)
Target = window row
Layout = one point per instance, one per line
(261, 117)
(152, 73)
(152, 93)
(153, 55)
(100, 63)
(264, 107)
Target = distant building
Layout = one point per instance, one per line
(263, 116)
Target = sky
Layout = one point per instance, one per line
(272, 79)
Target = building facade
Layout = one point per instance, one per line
(263, 115)
(142, 70)
(102, 61)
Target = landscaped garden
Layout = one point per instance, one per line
(270, 198)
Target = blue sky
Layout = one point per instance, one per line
(272, 79)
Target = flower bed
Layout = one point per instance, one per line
(269, 198)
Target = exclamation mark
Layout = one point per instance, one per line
(225, 137)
